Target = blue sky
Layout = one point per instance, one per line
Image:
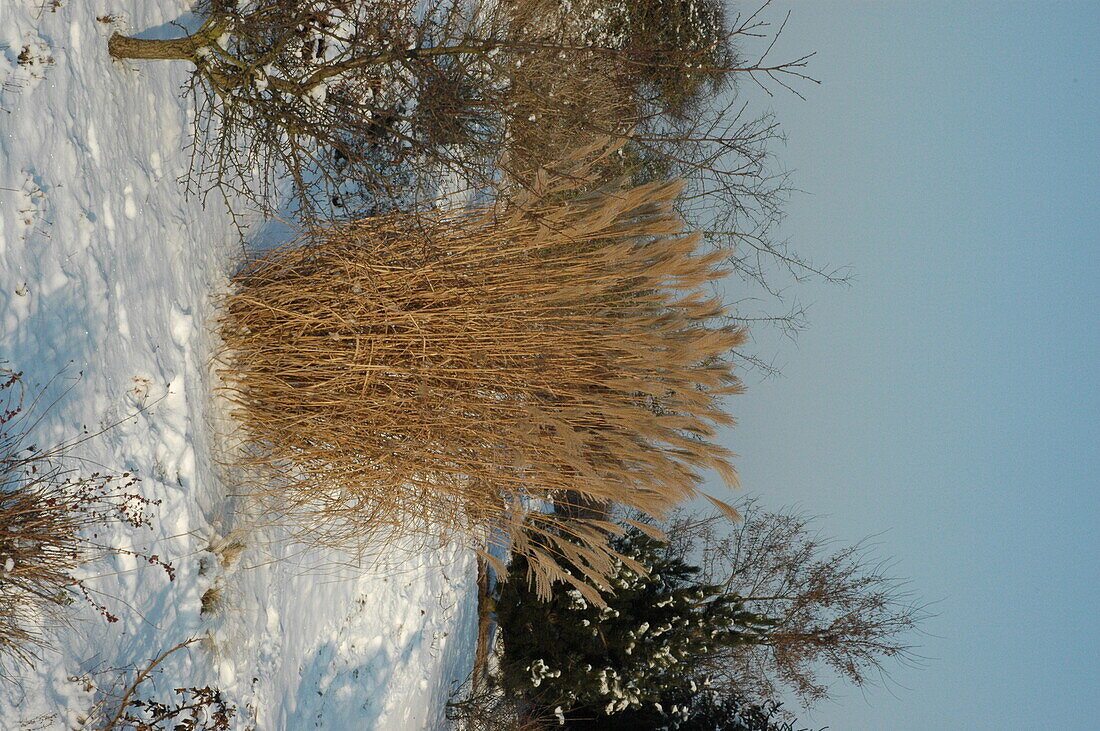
(947, 401)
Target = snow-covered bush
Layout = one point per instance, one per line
(638, 654)
(702, 710)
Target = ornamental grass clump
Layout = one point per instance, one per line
(479, 371)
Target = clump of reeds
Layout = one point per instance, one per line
(479, 370)
(49, 515)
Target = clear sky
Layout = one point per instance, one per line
(947, 400)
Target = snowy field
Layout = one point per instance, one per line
(106, 276)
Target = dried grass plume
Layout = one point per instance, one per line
(475, 372)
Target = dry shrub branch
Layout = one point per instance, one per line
(471, 369)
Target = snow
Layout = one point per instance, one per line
(318, 93)
(107, 272)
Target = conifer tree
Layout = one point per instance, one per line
(636, 651)
(687, 710)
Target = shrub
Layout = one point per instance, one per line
(192, 709)
(122, 705)
(456, 371)
(639, 650)
(49, 513)
(704, 710)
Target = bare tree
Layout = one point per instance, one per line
(358, 98)
(835, 608)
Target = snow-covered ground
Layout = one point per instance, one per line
(106, 276)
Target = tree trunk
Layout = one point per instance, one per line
(484, 620)
(121, 46)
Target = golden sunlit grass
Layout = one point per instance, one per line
(465, 371)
